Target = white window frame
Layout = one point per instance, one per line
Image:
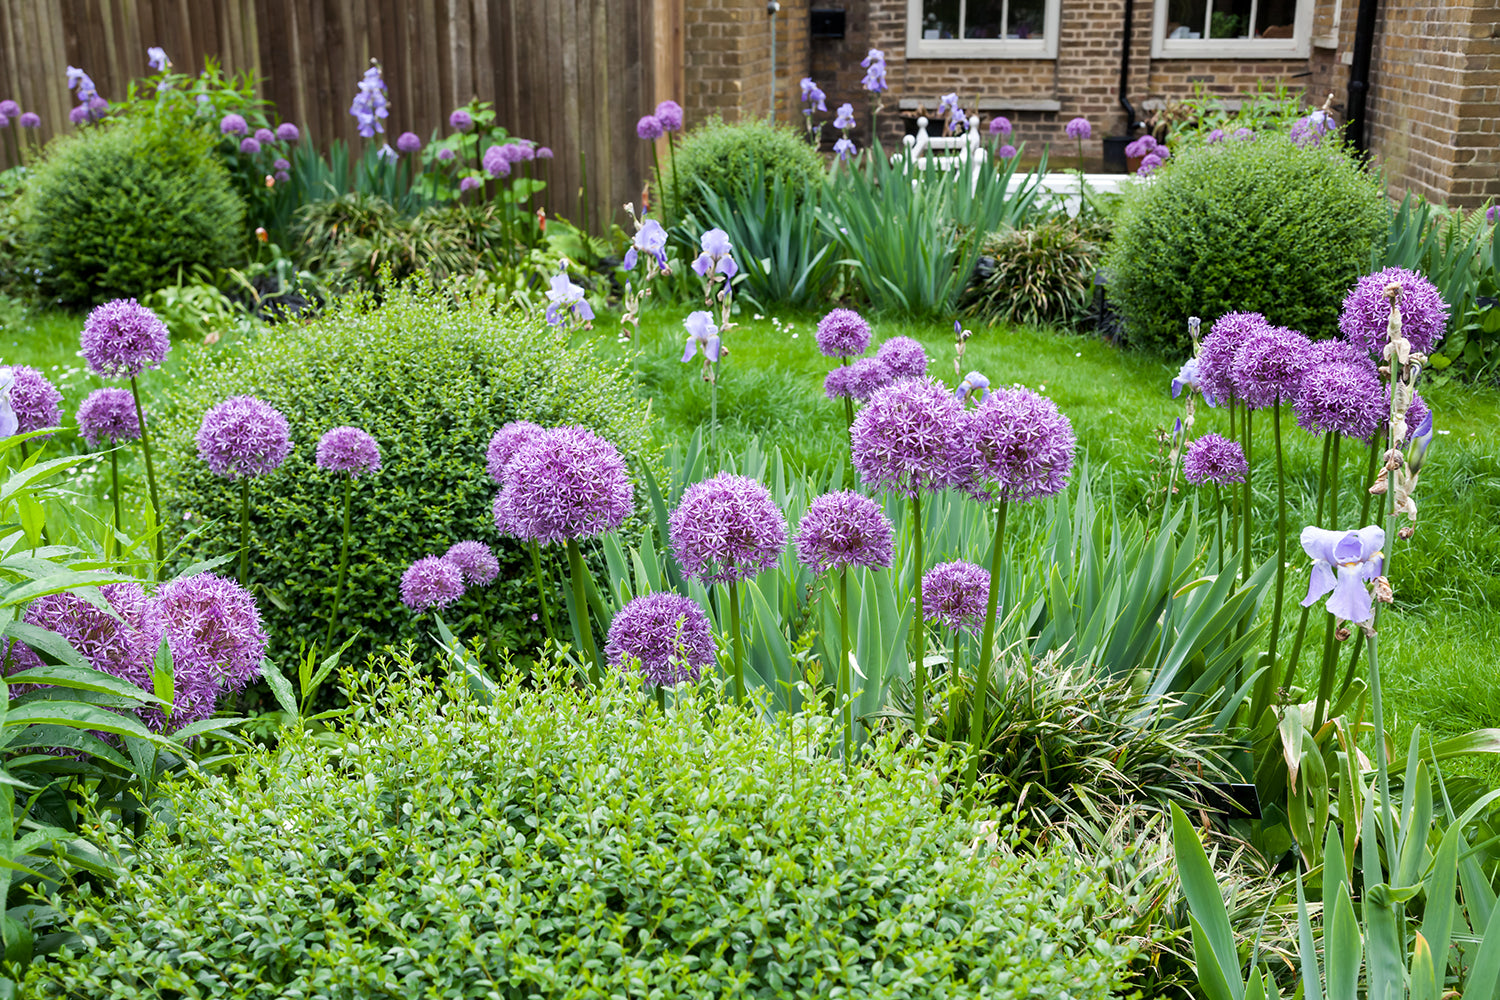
(918, 47)
(1299, 46)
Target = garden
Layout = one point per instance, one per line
(846, 572)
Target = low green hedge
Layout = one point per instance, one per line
(581, 843)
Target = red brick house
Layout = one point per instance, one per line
(1432, 114)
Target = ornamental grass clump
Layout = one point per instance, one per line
(725, 530)
(240, 438)
(665, 637)
(351, 452)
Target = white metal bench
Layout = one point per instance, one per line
(948, 152)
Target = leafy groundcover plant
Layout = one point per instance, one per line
(563, 841)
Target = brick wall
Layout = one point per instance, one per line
(727, 59)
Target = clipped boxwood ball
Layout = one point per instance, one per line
(431, 380)
(1261, 226)
(724, 155)
(118, 210)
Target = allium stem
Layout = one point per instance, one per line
(848, 406)
(1249, 516)
(1219, 522)
(676, 187)
(114, 493)
(1268, 679)
(713, 417)
(541, 588)
(737, 640)
(338, 588)
(1290, 673)
(986, 654)
(918, 627)
(140, 416)
(846, 710)
(656, 162)
(244, 530)
(581, 601)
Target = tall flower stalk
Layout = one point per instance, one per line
(239, 438)
(352, 452)
(110, 416)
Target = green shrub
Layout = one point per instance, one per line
(1039, 274)
(1264, 226)
(722, 155)
(431, 381)
(119, 210)
(578, 842)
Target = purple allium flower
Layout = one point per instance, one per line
(1424, 314)
(1079, 128)
(122, 338)
(726, 528)
(213, 628)
(1000, 125)
(34, 400)
(243, 436)
(836, 383)
(461, 120)
(496, 162)
(866, 376)
(370, 105)
(469, 183)
(281, 164)
(843, 333)
(1491, 214)
(233, 124)
(1006, 152)
(1333, 352)
(842, 530)
(913, 435)
(565, 483)
(31, 119)
(1355, 557)
(1214, 459)
(1149, 164)
(954, 594)
(543, 153)
(287, 132)
(813, 95)
(348, 449)
(1142, 146)
(525, 151)
(1025, 446)
(1215, 137)
(282, 176)
(431, 582)
(122, 645)
(475, 561)
(904, 357)
(9, 108)
(108, 415)
(265, 136)
(844, 148)
(249, 146)
(446, 154)
(844, 117)
(669, 113)
(1268, 367)
(1216, 354)
(1341, 398)
(408, 142)
(79, 114)
(874, 78)
(503, 444)
(649, 128)
(1244, 134)
(668, 634)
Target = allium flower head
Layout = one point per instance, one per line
(1216, 354)
(843, 333)
(122, 338)
(863, 378)
(461, 120)
(1000, 125)
(1142, 146)
(264, 136)
(911, 436)
(496, 162)
(233, 124)
(469, 183)
(348, 449)
(543, 153)
(108, 415)
(249, 146)
(667, 634)
(874, 78)
(726, 528)
(503, 444)
(408, 142)
(1244, 134)
(844, 530)
(34, 400)
(1333, 352)
(669, 113)
(904, 357)
(1268, 367)
(1342, 563)
(649, 128)
(475, 561)
(287, 132)
(445, 155)
(431, 582)
(565, 483)
(79, 114)
(1024, 446)
(1367, 312)
(1006, 152)
(122, 644)
(954, 594)
(1079, 128)
(1214, 459)
(213, 628)
(1341, 398)
(281, 164)
(243, 436)
(1150, 163)
(30, 119)
(9, 108)
(1215, 137)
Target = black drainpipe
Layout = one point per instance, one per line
(1359, 73)
(1133, 121)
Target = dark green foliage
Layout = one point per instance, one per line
(431, 381)
(1264, 226)
(120, 210)
(583, 843)
(722, 155)
(1040, 274)
(786, 255)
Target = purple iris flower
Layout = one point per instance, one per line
(813, 95)
(845, 116)
(1187, 378)
(874, 79)
(156, 58)
(1342, 563)
(844, 147)
(976, 383)
(565, 295)
(704, 333)
(80, 81)
(652, 239)
(9, 422)
(370, 105)
(715, 257)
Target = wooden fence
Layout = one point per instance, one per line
(573, 75)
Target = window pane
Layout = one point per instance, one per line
(1185, 18)
(1231, 19)
(1028, 19)
(1275, 19)
(940, 19)
(983, 19)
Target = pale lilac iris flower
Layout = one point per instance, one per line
(1343, 561)
(976, 383)
(845, 148)
(702, 332)
(156, 57)
(813, 94)
(1187, 378)
(874, 63)
(845, 117)
(565, 295)
(652, 240)
(9, 422)
(715, 257)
